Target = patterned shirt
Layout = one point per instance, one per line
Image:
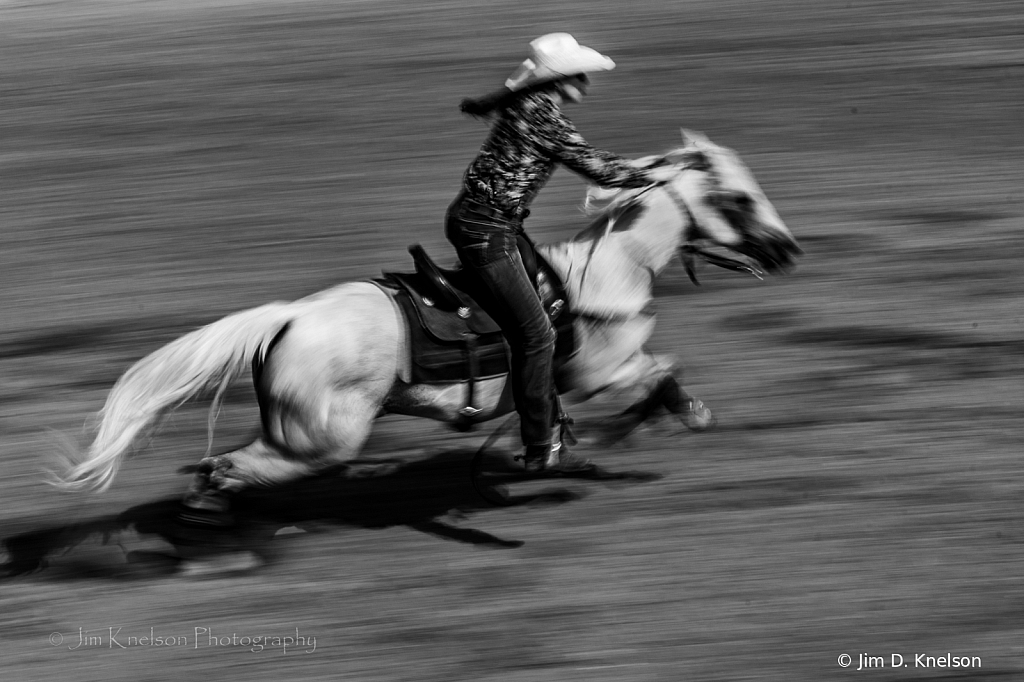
(529, 138)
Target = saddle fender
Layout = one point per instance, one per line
(452, 338)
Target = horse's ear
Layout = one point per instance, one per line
(692, 138)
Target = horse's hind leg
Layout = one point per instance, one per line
(319, 389)
(259, 463)
(300, 444)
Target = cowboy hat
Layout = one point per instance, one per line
(554, 56)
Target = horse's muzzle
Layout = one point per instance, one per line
(777, 254)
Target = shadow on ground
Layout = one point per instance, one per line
(425, 495)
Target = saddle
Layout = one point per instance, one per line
(452, 338)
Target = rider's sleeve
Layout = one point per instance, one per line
(568, 147)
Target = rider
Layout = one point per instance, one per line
(529, 136)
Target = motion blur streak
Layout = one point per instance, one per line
(163, 164)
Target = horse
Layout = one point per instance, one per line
(327, 365)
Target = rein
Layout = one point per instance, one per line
(688, 251)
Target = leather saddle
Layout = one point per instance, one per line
(452, 338)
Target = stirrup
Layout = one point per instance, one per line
(557, 460)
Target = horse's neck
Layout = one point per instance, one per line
(652, 242)
(613, 276)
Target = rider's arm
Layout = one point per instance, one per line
(567, 146)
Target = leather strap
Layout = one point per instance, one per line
(469, 411)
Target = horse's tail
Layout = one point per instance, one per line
(211, 356)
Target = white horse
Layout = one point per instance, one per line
(333, 362)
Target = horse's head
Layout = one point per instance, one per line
(727, 206)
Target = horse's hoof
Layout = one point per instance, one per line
(698, 417)
(197, 517)
(206, 510)
(205, 520)
(197, 530)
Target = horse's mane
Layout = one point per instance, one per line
(608, 205)
(603, 203)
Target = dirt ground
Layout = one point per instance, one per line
(165, 163)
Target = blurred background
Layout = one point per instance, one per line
(164, 163)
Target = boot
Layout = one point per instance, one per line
(561, 461)
(535, 458)
(554, 459)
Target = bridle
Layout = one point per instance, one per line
(689, 251)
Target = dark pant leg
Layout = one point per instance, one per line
(489, 250)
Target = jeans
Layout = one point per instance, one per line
(488, 248)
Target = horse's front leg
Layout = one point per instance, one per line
(656, 379)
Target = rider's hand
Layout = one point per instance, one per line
(662, 174)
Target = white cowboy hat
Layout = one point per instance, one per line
(554, 56)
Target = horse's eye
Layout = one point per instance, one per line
(730, 201)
